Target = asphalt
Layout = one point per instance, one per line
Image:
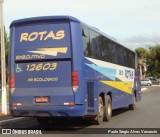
(8, 120)
(13, 121)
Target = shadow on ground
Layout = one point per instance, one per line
(75, 125)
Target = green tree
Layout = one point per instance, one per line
(6, 46)
(141, 52)
(6, 40)
(153, 61)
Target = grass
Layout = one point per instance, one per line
(8, 114)
(1, 99)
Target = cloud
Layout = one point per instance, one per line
(154, 37)
(141, 40)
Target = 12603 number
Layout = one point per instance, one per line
(41, 66)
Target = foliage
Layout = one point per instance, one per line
(141, 52)
(6, 46)
(153, 61)
(152, 57)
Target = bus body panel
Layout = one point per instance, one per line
(137, 86)
(41, 66)
(78, 61)
(45, 53)
(108, 79)
(43, 74)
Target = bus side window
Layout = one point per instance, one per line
(114, 53)
(121, 56)
(85, 41)
(106, 49)
(95, 45)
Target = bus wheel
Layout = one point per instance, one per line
(99, 118)
(107, 108)
(133, 106)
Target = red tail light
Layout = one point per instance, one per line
(12, 81)
(75, 80)
(71, 103)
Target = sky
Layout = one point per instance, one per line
(134, 23)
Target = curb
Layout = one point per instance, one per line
(143, 89)
(13, 121)
(155, 85)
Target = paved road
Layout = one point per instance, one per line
(146, 115)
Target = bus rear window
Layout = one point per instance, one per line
(46, 41)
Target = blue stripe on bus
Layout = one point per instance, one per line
(108, 72)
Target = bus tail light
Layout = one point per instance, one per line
(12, 81)
(75, 81)
(14, 104)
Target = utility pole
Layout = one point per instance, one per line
(3, 62)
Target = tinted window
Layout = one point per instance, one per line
(95, 45)
(106, 49)
(121, 54)
(114, 52)
(100, 47)
(85, 39)
(91, 43)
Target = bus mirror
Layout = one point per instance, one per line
(83, 33)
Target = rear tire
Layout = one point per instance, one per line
(108, 108)
(133, 106)
(99, 118)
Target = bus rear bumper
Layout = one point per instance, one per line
(48, 111)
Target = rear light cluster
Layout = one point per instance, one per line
(12, 81)
(69, 103)
(14, 104)
(75, 80)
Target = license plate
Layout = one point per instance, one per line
(41, 99)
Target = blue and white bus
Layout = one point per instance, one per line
(61, 67)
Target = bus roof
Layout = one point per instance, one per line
(46, 18)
